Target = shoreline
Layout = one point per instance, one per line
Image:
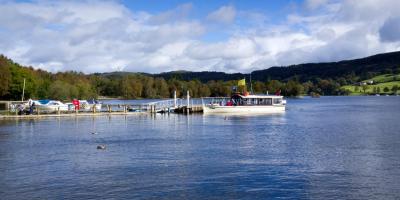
(34, 116)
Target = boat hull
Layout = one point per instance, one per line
(90, 106)
(244, 109)
(52, 108)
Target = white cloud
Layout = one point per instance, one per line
(314, 4)
(225, 14)
(98, 36)
(179, 13)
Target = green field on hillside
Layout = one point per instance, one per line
(358, 90)
(385, 78)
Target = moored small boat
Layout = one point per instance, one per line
(50, 105)
(89, 104)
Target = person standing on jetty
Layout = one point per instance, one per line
(31, 104)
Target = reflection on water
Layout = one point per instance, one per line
(330, 148)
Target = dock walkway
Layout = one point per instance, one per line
(183, 106)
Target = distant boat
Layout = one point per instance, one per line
(314, 95)
(377, 95)
(244, 104)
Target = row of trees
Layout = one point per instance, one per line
(68, 85)
(376, 89)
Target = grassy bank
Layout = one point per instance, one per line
(372, 89)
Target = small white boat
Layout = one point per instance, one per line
(51, 106)
(244, 104)
(88, 105)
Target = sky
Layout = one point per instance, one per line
(156, 36)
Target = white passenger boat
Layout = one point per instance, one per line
(244, 104)
(51, 105)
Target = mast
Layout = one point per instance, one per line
(23, 91)
(251, 85)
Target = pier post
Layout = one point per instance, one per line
(174, 98)
(58, 110)
(38, 110)
(94, 108)
(187, 102)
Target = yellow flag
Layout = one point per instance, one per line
(242, 82)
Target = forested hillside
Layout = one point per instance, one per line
(361, 69)
(319, 78)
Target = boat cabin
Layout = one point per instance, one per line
(246, 100)
(255, 100)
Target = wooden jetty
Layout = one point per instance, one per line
(182, 106)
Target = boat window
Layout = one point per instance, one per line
(237, 101)
(277, 101)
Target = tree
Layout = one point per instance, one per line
(308, 87)
(356, 89)
(365, 88)
(259, 87)
(5, 77)
(161, 88)
(386, 89)
(292, 88)
(395, 88)
(59, 90)
(204, 91)
(328, 87)
(148, 88)
(273, 86)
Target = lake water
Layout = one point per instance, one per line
(327, 148)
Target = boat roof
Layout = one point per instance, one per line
(246, 97)
(252, 96)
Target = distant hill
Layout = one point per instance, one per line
(378, 64)
(364, 68)
(202, 76)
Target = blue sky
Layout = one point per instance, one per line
(158, 36)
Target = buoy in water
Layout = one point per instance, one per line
(95, 133)
(101, 147)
